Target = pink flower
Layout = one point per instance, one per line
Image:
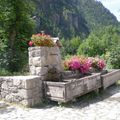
(84, 68)
(84, 64)
(74, 65)
(30, 43)
(101, 64)
(80, 63)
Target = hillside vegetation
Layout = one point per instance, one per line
(84, 27)
(68, 18)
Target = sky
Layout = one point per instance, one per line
(113, 6)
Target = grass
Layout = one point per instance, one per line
(4, 72)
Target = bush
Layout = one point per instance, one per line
(4, 62)
(70, 46)
(114, 58)
(4, 72)
(99, 42)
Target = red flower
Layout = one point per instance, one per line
(30, 43)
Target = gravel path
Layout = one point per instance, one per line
(106, 106)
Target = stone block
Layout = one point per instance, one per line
(9, 98)
(41, 71)
(26, 90)
(17, 82)
(4, 93)
(25, 93)
(37, 100)
(32, 70)
(30, 61)
(13, 98)
(53, 59)
(28, 84)
(26, 102)
(4, 85)
(13, 89)
(38, 61)
(39, 83)
(35, 53)
(31, 48)
(54, 51)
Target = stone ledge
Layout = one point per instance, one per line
(25, 90)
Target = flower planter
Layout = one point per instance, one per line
(71, 74)
(72, 88)
(110, 78)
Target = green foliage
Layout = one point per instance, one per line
(3, 40)
(62, 18)
(17, 26)
(70, 46)
(4, 72)
(95, 14)
(114, 57)
(100, 41)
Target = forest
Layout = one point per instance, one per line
(85, 27)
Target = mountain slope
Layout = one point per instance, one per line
(96, 14)
(68, 18)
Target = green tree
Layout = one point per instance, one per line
(70, 46)
(100, 41)
(16, 20)
(114, 58)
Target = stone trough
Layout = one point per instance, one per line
(110, 78)
(74, 87)
(71, 88)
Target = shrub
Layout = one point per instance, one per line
(114, 58)
(4, 72)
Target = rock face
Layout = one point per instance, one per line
(25, 90)
(45, 62)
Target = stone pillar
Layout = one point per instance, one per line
(45, 62)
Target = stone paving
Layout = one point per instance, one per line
(105, 106)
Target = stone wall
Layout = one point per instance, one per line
(45, 62)
(25, 90)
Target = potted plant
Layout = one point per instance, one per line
(41, 39)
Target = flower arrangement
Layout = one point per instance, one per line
(79, 63)
(84, 64)
(41, 40)
(96, 63)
